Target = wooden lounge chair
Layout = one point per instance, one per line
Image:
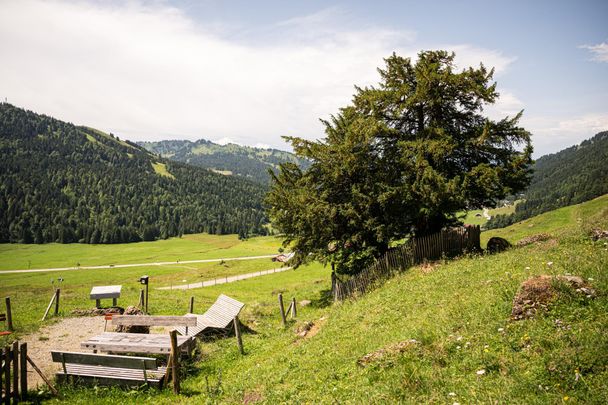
(218, 317)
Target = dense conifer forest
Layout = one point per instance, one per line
(571, 176)
(65, 183)
(237, 160)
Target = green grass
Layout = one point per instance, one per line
(188, 247)
(161, 170)
(472, 219)
(459, 314)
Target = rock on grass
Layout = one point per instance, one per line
(538, 292)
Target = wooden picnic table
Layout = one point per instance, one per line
(136, 343)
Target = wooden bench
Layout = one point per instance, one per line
(97, 369)
(218, 317)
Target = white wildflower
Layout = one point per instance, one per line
(481, 372)
(549, 264)
(452, 394)
(501, 329)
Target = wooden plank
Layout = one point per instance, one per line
(134, 343)
(15, 372)
(174, 361)
(23, 369)
(106, 381)
(7, 375)
(104, 360)
(147, 320)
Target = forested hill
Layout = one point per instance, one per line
(64, 183)
(231, 159)
(571, 176)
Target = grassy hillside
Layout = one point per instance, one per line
(571, 176)
(458, 313)
(65, 183)
(230, 159)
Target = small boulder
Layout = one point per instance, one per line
(541, 237)
(133, 328)
(497, 244)
(538, 292)
(386, 352)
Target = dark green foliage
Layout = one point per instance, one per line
(404, 158)
(245, 161)
(62, 183)
(571, 176)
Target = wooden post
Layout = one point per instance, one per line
(175, 361)
(46, 380)
(7, 375)
(23, 369)
(57, 292)
(237, 332)
(294, 311)
(9, 314)
(282, 309)
(191, 305)
(49, 307)
(15, 372)
(146, 311)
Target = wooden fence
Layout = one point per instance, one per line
(13, 373)
(447, 243)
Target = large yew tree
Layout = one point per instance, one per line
(403, 159)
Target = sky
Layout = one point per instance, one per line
(251, 72)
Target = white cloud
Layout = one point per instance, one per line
(599, 51)
(147, 71)
(552, 134)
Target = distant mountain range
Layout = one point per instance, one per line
(571, 176)
(230, 159)
(65, 183)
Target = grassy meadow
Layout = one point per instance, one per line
(466, 348)
(188, 247)
(471, 217)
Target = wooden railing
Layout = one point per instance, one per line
(447, 243)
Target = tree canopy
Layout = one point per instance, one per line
(404, 158)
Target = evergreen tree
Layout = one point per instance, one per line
(404, 158)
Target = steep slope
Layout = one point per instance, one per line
(571, 176)
(458, 343)
(63, 183)
(231, 159)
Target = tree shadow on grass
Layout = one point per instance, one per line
(324, 300)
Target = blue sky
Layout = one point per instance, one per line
(250, 72)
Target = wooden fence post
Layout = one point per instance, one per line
(15, 372)
(7, 375)
(294, 311)
(174, 361)
(146, 311)
(237, 332)
(46, 380)
(9, 314)
(141, 299)
(282, 309)
(191, 305)
(57, 292)
(23, 369)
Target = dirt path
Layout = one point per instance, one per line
(118, 266)
(224, 280)
(64, 335)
